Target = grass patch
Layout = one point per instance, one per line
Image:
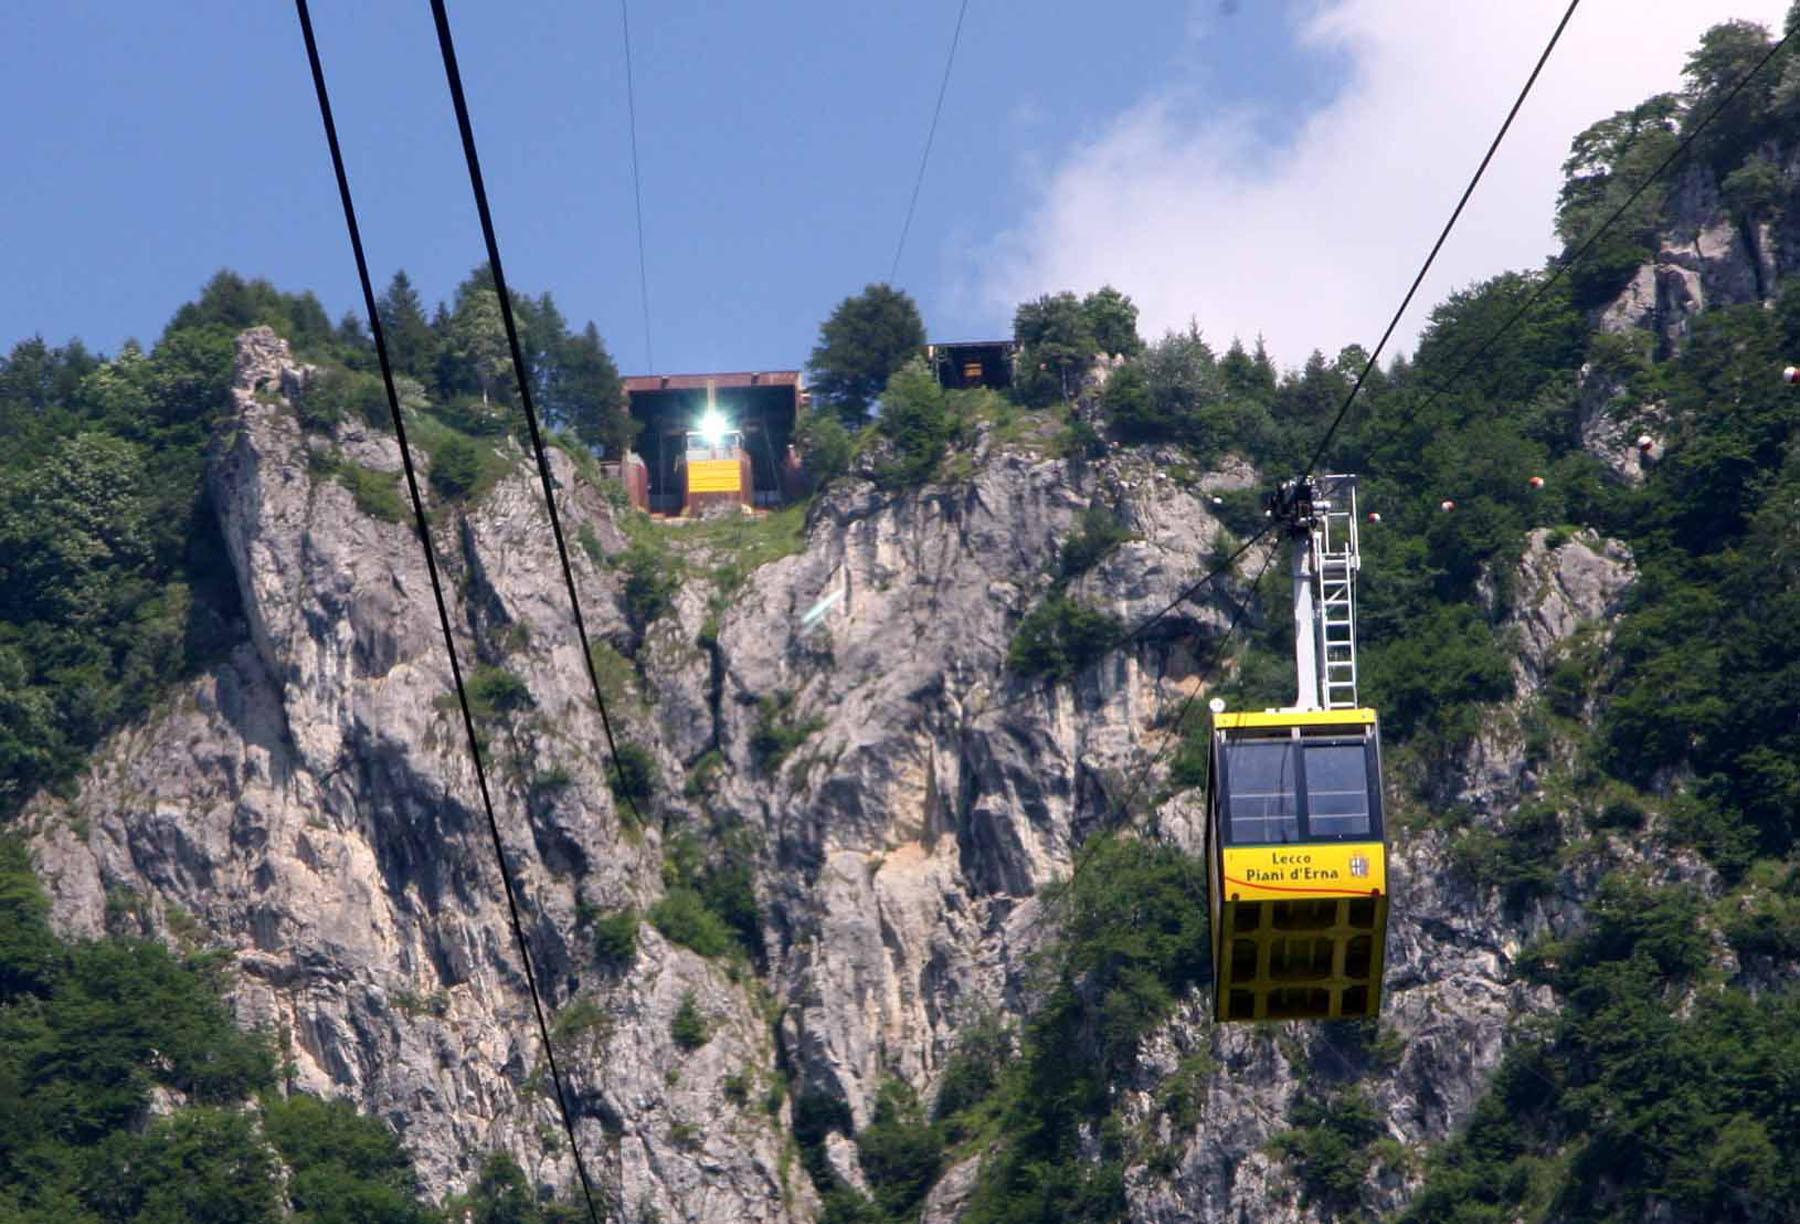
(581, 1022)
(377, 493)
(703, 775)
(748, 542)
(590, 544)
(618, 678)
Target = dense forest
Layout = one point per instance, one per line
(1668, 1074)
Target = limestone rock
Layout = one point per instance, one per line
(309, 804)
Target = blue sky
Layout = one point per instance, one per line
(779, 141)
(1255, 166)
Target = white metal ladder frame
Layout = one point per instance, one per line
(1336, 558)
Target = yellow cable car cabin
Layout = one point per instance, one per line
(1299, 865)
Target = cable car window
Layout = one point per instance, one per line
(1263, 803)
(1337, 790)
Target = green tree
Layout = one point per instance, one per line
(1059, 638)
(201, 1166)
(867, 339)
(70, 529)
(615, 938)
(1726, 56)
(1607, 162)
(346, 1168)
(456, 467)
(900, 1152)
(688, 1028)
(825, 446)
(502, 1195)
(477, 340)
(1112, 318)
(412, 346)
(917, 422)
(1056, 342)
(28, 955)
(589, 397)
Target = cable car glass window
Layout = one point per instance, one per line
(1337, 790)
(1262, 802)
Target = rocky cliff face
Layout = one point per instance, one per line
(1708, 255)
(309, 806)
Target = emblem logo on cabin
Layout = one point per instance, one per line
(1359, 866)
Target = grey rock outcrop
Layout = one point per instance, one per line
(1561, 586)
(1708, 257)
(310, 804)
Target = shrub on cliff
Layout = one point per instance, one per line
(1060, 637)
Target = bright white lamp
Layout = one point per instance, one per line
(712, 427)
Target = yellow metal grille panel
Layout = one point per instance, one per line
(1300, 960)
(715, 476)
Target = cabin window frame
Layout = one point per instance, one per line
(1297, 742)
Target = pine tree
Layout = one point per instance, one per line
(591, 395)
(478, 338)
(411, 345)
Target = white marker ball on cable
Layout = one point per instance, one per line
(1446, 505)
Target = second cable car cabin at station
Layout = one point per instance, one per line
(1297, 851)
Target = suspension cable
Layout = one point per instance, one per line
(1144, 626)
(422, 525)
(637, 189)
(447, 45)
(1474, 181)
(930, 135)
(1570, 260)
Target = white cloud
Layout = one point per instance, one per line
(1314, 247)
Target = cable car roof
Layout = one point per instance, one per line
(1293, 718)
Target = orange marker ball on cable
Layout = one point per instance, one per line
(1447, 505)
(1536, 482)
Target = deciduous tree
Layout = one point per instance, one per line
(867, 338)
